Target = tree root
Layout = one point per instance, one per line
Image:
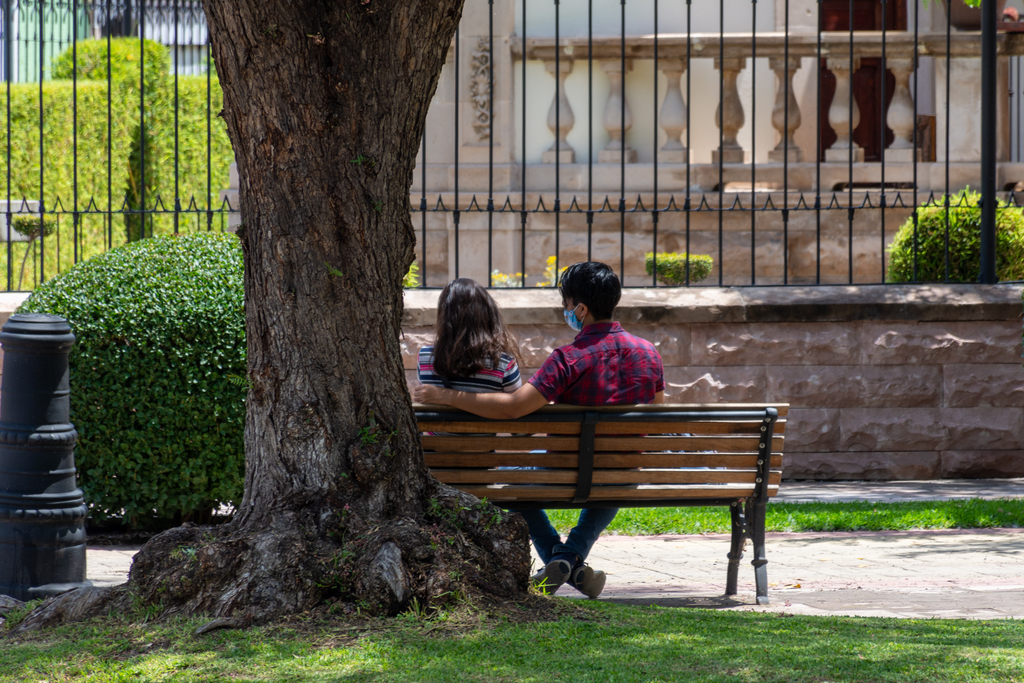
(76, 605)
(301, 559)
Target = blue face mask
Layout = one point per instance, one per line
(571, 320)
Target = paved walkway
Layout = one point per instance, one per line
(970, 574)
(974, 574)
(899, 491)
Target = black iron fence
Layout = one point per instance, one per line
(109, 131)
(721, 142)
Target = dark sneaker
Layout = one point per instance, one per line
(551, 577)
(587, 581)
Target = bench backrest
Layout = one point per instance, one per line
(621, 456)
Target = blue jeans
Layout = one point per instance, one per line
(581, 539)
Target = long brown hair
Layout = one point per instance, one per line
(471, 333)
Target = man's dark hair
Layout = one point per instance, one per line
(592, 284)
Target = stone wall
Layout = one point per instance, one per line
(884, 382)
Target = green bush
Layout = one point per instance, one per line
(672, 267)
(29, 226)
(155, 374)
(92, 61)
(964, 242)
(412, 277)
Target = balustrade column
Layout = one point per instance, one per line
(729, 115)
(839, 114)
(560, 116)
(785, 125)
(672, 116)
(900, 116)
(618, 119)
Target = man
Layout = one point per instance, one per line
(604, 365)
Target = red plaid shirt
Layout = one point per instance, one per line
(604, 365)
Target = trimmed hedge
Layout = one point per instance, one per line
(193, 188)
(672, 267)
(92, 60)
(964, 242)
(58, 181)
(131, 63)
(192, 126)
(155, 374)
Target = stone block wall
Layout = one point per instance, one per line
(884, 382)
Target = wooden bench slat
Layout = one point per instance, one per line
(727, 444)
(679, 476)
(511, 493)
(609, 460)
(476, 476)
(501, 443)
(552, 476)
(654, 492)
(724, 443)
(497, 427)
(502, 459)
(601, 460)
(696, 428)
(554, 409)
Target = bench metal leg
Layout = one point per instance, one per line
(756, 515)
(739, 537)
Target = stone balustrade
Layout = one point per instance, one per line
(730, 54)
(609, 148)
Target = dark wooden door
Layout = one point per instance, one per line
(867, 84)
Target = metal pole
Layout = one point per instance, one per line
(988, 142)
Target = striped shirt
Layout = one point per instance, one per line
(505, 377)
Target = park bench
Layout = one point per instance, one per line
(620, 456)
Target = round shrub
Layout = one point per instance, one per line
(672, 267)
(157, 393)
(964, 242)
(91, 57)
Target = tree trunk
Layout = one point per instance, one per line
(325, 103)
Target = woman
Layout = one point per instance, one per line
(473, 350)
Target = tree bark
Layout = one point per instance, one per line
(325, 104)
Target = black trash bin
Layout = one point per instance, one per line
(42, 512)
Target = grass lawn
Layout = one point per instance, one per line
(949, 514)
(591, 642)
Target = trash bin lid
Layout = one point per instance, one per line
(36, 323)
